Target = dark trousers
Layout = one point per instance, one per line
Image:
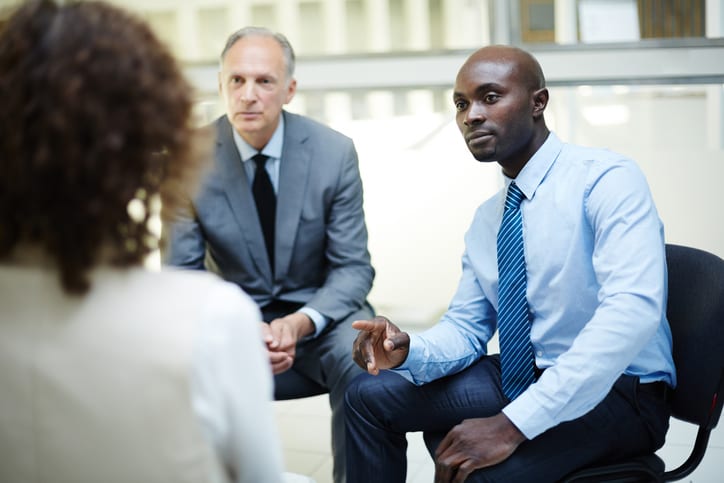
(322, 365)
(381, 409)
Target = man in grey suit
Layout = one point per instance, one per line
(287, 226)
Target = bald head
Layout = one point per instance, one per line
(522, 63)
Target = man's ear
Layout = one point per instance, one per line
(540, 101)
(291, 90)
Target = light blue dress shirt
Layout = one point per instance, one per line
(596, 272)
(273, 150)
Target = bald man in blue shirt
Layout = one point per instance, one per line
(595, 286)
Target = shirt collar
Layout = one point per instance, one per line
(273, 148)
(532, 174)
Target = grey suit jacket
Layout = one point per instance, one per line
(321, 256)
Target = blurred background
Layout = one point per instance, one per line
(641, 77)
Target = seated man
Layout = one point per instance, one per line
(281, 215)
(568, 263)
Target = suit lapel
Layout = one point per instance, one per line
(238, 192)
(293, 177)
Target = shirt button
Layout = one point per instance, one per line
(539, 353)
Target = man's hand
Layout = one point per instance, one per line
(474, 444)
(379, 345)
(281, 336)
(279, 360)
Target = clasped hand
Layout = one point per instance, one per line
(281, 336)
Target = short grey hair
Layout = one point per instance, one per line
(289, 58)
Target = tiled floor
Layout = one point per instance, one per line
(304, 426)
(305, 430)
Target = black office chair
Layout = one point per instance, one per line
(696, 313)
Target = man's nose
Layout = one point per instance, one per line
(248, 93)
(475, 115)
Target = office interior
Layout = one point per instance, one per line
(644, 78)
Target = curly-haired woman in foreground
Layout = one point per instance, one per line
(110, 372)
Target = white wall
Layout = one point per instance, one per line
(422, 187)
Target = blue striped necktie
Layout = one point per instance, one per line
(516, 352)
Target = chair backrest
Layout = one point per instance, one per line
(696, 314)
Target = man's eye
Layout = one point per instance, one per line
(490, 98)
(460, 105)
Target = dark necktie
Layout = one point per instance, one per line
(266, 203)
(516, 351)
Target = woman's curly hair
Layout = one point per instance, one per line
(95, 124)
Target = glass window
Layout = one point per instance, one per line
(537, 20)
(437, 26)
(164, 24)
(264, 15)
(311, 40)
(356, 22)
(398, 26)
(213, 31)
(610, 20)
(660, 19)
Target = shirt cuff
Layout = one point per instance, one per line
(529, 415)
(319, 320)
(413, 356)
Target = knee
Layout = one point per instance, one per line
(340, 373)
(359, 396)
(356, 389)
